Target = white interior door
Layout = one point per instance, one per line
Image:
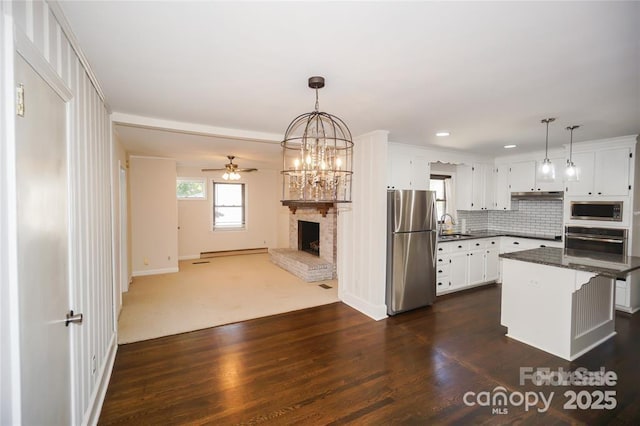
(124, 250)
(41, 175)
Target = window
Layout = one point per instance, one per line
(228, 205)
(191, 189)
(437, 184)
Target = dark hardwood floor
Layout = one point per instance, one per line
(333, 365)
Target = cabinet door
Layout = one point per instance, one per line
(612, 172)
(503, 193)
(585, 165)
(420, 171)
(477, 186)
(459, 270)
(400, 171)
(489, 187)
(464, 191)
(557, 184)
(476, 266)
(492, 262)
(522, 176)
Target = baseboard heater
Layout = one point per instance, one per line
(207, 254)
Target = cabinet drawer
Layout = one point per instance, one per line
(442, 285)
(443, 248)
(477, 244)
(442, 259)
(442, 270)
(492, 242)
(452, 247)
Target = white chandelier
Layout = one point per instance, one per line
(317, 155)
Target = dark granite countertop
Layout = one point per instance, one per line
(495, 233)
(614, 266)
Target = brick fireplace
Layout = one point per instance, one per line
(307, 266)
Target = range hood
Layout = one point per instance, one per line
(538, 195)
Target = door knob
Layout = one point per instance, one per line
(71, 317)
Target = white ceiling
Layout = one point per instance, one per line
(488, 72)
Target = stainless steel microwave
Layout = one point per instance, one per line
(597, 210)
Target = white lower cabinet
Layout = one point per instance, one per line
(476, 266)
(511, 244)
(459, 272)
(492, 273)
(464, 264)
(628, 293)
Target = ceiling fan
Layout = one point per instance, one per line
(230, 170)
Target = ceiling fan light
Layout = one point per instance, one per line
(225, 176)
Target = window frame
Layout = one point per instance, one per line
(225, 228)
(444, 194)
(201, 180)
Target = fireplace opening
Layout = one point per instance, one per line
(309, 237)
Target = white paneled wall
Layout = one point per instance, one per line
(43, 34)
(362, 229)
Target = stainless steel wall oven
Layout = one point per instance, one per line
(603, 240)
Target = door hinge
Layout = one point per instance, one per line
(20, 100)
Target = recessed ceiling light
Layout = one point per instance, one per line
(443, 134)
(510, 146)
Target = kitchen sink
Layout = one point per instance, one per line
(453, 236)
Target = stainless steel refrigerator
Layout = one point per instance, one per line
(411, 245)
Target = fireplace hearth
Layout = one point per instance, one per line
(309, 237)
(310, 266)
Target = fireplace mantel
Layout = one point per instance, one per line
(322, 206)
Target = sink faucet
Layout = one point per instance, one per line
(453, 222)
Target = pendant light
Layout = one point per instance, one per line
(546, 170)
(317, 156)
(571, 172)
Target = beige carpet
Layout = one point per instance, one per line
(225, 290)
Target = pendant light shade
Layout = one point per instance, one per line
(571, 172)
(317, 156)
(546, 170)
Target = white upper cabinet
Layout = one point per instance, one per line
(557, 184)
(474, 187)
(407, 171)
(502, 190)
(522, 176)
(601, 173)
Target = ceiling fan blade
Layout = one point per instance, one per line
(246, 170)
(213, 170)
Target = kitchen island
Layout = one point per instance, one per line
(562, 301)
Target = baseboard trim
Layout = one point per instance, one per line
(207, 254)
(154, 272)
(92, 415)
(189, 257)
(376, 312)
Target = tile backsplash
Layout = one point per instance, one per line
(528, 216)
